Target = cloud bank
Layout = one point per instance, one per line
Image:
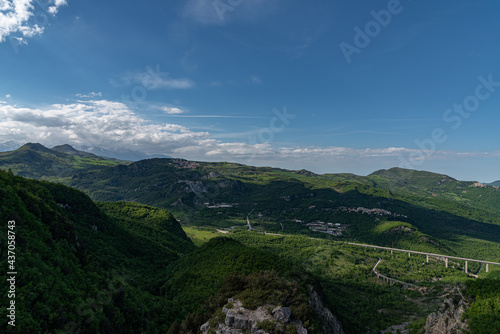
(152, 79)
(17, 18)
(113, 125)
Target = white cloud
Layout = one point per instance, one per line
(16, 18)
(172, 110)
(57, 3)
(93, 123)
(219, 12)
(255, 79)
(90, 95)
(153, 79)
(114, 126)
(8, 96)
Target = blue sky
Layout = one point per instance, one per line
(329, 86)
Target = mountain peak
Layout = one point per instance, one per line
(66, 148)
(305, 172)
(35, 147)
(398, 172)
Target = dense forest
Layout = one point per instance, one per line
(79, 270)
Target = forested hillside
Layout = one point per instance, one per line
(79, 270)
(109, 268)
(461, 216)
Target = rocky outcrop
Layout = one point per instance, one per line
(449, 317)
(330, 322)
(268, 319)
(282, 314)
(238, 320)
(196, 187)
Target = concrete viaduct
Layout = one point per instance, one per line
(392, 281)
(445, 257)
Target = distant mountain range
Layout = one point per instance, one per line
(121, 154)
(495, 184)
(9, 146)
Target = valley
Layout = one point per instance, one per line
(165, 243)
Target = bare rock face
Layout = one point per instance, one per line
(282, 314)
(330, 322)
(239, 320)
(449, 317)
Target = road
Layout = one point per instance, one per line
(394, 249)
(392, 280)
(248, 221)
(424, 253)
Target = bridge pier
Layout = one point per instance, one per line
(427, 258)
(466, 263)
(409, 254)
(487, 267)
(446, 262)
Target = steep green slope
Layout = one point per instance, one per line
(434, 187)
(199, 274)
(79, 271)
(153, 224)
(484, 312)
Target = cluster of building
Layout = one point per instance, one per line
(334, 229)
(379, 212)
(218, 206)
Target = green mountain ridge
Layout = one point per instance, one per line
(438, 206)
(68, 149)
(34, 160)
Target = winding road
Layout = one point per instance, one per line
(248, 221)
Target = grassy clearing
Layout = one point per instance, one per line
(199, 236)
